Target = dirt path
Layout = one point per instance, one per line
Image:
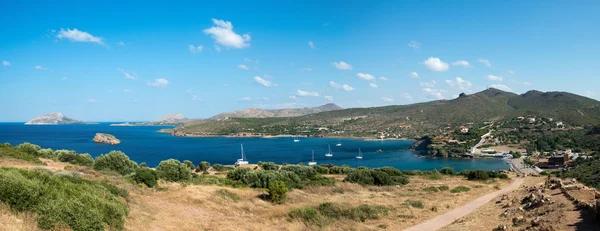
(449, 217)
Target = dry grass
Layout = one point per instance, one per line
(10, 221)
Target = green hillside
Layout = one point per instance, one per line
(415, 119)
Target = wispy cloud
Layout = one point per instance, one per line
(5, 63)
(121, 43)
(435, 64)
(342, 65)
(365, 76)
(428, 84)
(485, 62)
(38, 67)
(127, 75)
(344, 87)
(494, 78)
(126, 90)
(408, 97)
(433, 93)
(223, 34)
(243, 67)
(383, 78)
(246, 99)
(328, 98)
(414, 44)
(414, 75)
(92, 101)
(161, 83)
(501, 87)
(78, 36)
(459, 83)
(387, 99)
(311, 44)
(307, 93)
(462, 63)
(306, 69)
(195, 49)
(373, 85)
(264, 82)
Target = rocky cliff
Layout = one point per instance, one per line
(53, 118)
(106, 139)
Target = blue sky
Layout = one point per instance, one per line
(135, 61)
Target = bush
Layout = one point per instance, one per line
(277, 192)
(145, 176)
(189, 164)
(363, 177)
(321, 169)
(70, 156)
(415, 204)
(62, 201)
(84, 160)
(228, 194)
(340, 170)
(447, 171)
(493, 174)
(268, 166)
(308, 215)
(460, 189)
(29, 148)
(435, 175)
(375, 177)
(173, 170)
(238, 173)
(219, 167)
(203, 166)
(303, 172)
(66, 155)
(390, 171)
(478, 175)
(343, 211)
(46, 153)
(16, 153)
(115, 161)
(443, 188)
(431, 189)
(503, 176)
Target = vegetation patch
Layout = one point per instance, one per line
(228, 194)
(460, 189)
(115, 161)
(431, 189)
(28, 154)
(415, 204)
(443, 188)
(64, 201)
(328, 212)
(211, 180)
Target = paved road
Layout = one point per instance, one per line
(519, 165)
(449, 217)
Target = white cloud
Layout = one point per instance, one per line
(5, 63)
(195, 49)
(307, 93)
(435, 64)
(485, 62)
(511, 72)
(414, 75)
(342, 65)
(92, 101)
(217, 48)
(494, 78)
(121, 43)
(335, 85)
(501, 87)
(459, 83)
(127, 90)
(463, 63)
(387, 99)
(364, 76)
(223, 34)
(428, 84)
(162, 83)
(246, 99)
(306, 69)
(311, 44)
(264, 82)
(328, 98)
(347, 87)
(383, 78)
(38, 67)
(243, 67)
(408, 97)
(414, 44)
(250, 60)
(373, 85)
(527, 83)
(433, 93)
(78, 36)
(195, 97)
(127, 75)
(292, 97)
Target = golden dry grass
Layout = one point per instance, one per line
(10, 221)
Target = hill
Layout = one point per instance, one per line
(287, 112)
(416, 119)
(53, 118)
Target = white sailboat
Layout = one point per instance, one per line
(313, 162)
(243, 160)
(339, 144)
(360, 156)
(329, 154)
(296, 139)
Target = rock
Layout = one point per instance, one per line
(518, 220)
(501, 228)
(106, 138)
(536, 221)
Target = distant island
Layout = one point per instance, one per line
(286, 112)
(169, 119)
(53, 118)
(106, 139)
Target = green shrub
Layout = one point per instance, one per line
(460, 189)
(447, 171)
(390, 171)
(415, 204)
(277, 192)
(340, 170)
(84, 160)
(431, 189)
(62, 201)
(321, 169)
(375, 177)
(219, 167)
(66, 155)
(16, 153)
(228, 194)
(412, 172)
(238, 173)
(319, 181)
(173, 170)
(268, 166)
(115, 161)
(47, 153)
(308, 215)
(203, 166)
(189, 164)
(363, 177)
(360, 213)
(444, 188)
(435, 175)
(145, 176)
(29, 148)
(211, 180)
(303, 172)
(143, 165)
(477, 175)
(493, 174)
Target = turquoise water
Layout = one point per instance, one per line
(144, 144)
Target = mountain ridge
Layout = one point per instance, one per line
(52, 118)
(285, 112)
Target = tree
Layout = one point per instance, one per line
(277, 192)
(189, 164)
(115, 161)
(173, 170)
(447, 171)
(145, 176)
(203, 166)
(29, 148)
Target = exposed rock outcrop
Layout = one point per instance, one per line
(106, 139)
(53, 118)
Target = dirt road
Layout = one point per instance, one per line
(449, 217)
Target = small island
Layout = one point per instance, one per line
(106, 139)
(54, 118)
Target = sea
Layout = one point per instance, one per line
(145, 144)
